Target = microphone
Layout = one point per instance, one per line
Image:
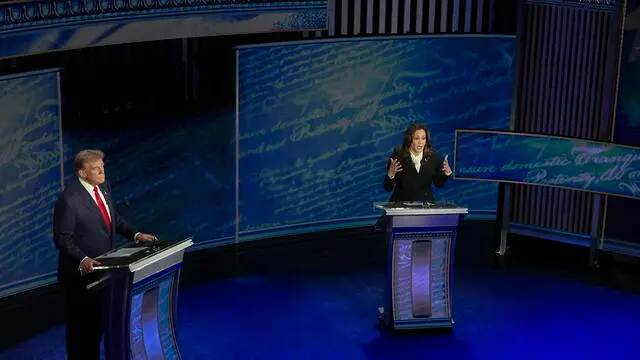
(153, 243)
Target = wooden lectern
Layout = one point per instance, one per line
(141, 291)
(421, 242)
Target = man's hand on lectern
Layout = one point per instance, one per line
(87, 264)
(145, 237)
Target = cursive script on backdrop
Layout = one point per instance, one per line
(30, 174)
(536, 159)
(319, 120)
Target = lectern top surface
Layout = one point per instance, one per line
(128, 255)
(420, 208)
(416, 205)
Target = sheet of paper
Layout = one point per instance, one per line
(124, 252)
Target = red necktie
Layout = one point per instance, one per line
(103, 209)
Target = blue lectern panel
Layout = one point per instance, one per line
(30, 177)
(421, 279)
(545, 160)
(152, 325)
(318, 120)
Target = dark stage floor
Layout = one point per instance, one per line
(316, 299)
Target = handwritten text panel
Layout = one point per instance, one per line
(30, 175)
(319, 120)
(537, 159)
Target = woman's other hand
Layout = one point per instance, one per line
(445, 166)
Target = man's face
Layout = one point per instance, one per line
(93, 172)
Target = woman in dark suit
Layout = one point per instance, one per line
(414, 167)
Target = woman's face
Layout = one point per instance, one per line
(418, 141)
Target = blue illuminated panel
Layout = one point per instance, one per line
(318, 120)
(30, 178)
(546, 160)
(152, 333)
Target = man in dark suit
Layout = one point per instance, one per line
(85, 222)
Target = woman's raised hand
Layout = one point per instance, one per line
(394, 168)
(445, 166)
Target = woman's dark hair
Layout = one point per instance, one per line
(408, 139)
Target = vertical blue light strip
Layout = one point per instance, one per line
(150, 330)
(237, 122)
(421, 279)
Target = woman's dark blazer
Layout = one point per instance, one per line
(410, 185)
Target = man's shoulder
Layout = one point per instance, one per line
(71, 191)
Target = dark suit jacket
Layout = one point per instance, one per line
(409, 185)
(79, 229)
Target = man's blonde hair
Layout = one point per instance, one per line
(86, 156)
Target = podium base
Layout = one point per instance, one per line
(142, 305)
(421, 244)
(385, 319)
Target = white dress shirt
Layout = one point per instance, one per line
(89, 189)
(416, 160)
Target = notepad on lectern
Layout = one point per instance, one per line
(124, 252)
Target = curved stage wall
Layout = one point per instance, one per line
(338, 107)
(317, 121)
(36, 26)
(30, 177)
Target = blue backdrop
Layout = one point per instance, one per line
(170, 176)
(546, 160)
(328, 114)
(317, 121)
(30, 177)
(621, 212)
